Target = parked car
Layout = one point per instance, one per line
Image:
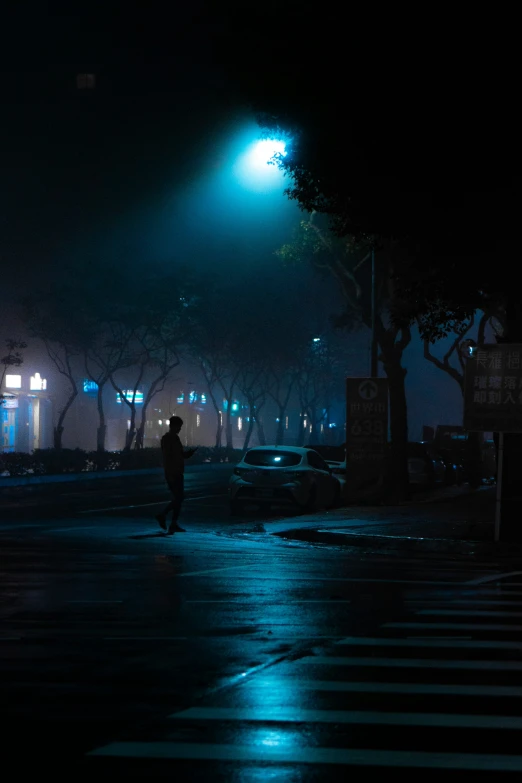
(283, 475)
(425, 466)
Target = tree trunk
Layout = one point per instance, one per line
(250, 428)
(260, 431)
(102, 429)
(280, 433)
(397, 480)
(57, 437)
(511, 507)
(228, 425)
(131, 432)
(58, 430)
(301, 432)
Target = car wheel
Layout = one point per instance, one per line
(311, 503)
(337, 497)
(236, 508)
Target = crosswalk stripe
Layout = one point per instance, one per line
(356, 717)
(455, 626)
(468, 613)
(411, 663)
(294, 755)
(476, 602)
(484, 644)
(435, 689)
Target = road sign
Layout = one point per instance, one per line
(493, 389)
(366, 423)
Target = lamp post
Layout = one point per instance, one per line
(374, 368)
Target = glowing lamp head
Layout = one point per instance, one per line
(264, 151)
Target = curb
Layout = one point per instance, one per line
(379, 541)
(29, 481)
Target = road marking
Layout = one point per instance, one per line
(293, 755)
(434, 689)
(411, 663)
(145, 638)
(467, 602)
(456, 626)
(94, 602)
(361, 641)
(259, 574)
(144, 505)
(469, 612)
(484, 579)
(241, 600)
(355, 717)
(475, 591)
(214, 570)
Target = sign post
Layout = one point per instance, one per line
(493, 399)
(366, 429)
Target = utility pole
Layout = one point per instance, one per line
(374, 370)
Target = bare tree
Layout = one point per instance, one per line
(107, 353)
(13, 358)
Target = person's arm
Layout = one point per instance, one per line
(189, 453)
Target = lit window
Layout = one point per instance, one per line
(37, 383)
(198, 420)
(13, 381)
(86, 81)
(129, 395)
(304, 423)
(239, 423)
(310, 428)
(160, 422)
(286, 423)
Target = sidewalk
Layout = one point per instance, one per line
(459, 520)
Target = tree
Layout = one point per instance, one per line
(13, 358)
(348, 262)
(52, 318)
(103, 356)
(430, 172)
(152, 325)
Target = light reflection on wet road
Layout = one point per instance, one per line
(250, 658)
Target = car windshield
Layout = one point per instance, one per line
(272, 459)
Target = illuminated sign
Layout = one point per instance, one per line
(10, 402)
(193, 397)
(181, 399)
(90, 387)
(129, 395)
(203, 399)
(13, 381)
(37, 383)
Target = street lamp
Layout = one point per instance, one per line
(256, 168)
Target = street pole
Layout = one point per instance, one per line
(498, 502)
(374, 370)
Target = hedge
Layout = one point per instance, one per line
(52, 461)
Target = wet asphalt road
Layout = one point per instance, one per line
(229, 655)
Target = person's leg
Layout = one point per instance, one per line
(178, 492)
(162, 516)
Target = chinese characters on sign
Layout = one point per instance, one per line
(366, 421)
(493, 389)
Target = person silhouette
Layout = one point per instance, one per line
(174, 466)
